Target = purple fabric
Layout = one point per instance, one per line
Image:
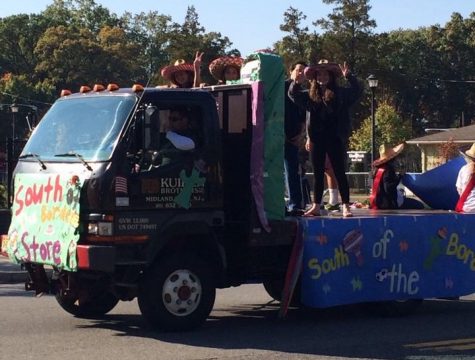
(257, 152)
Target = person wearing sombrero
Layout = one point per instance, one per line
(385, 193)
(182, 74)
(226, 68)
(328, 123)
(466, 183)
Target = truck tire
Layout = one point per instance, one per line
(274, 289)
(177, 293)
(94, 306)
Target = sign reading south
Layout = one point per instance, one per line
(45, 218)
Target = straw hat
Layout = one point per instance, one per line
(470, 153)
(386, 153)
(180, 65)
(217, 66)
(311, 71)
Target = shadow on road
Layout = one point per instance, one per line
(346, 331)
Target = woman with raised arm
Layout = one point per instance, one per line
(328, 124)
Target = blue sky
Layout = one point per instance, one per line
(254, 24)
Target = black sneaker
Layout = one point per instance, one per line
(294, 212)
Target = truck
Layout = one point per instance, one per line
(94, 202)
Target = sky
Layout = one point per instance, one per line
(254, 24)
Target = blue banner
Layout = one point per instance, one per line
(436, 187)
(395, 257)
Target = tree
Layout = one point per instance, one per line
(117, 59)
(188, 38)
(448, 150)
(80, 14)
(425, 72)
(150, 31)
(20, 89)
(391, 129)
(71, 59)
(349, 26)
(299, 44)
(18, 37)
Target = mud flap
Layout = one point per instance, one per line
(37, 279)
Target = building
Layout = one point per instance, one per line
(434, 146)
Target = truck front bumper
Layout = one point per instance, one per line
(97, 258)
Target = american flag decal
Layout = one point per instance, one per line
(121, 184)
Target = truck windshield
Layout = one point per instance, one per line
(87, 126)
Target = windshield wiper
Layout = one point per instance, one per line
(35, 156)
(79, 156)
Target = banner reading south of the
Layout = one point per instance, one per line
(381, 257)
(45, 219)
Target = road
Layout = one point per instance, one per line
(243, 325)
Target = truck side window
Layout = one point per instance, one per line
(176, 133)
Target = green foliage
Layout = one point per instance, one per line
(391, 129)
(298, 44)
(425, 73)
(79, 14)
(18, 37)
(350, 27)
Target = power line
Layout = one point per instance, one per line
(25, 99)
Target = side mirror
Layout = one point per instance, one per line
(151, 126)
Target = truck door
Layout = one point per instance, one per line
(170, 167)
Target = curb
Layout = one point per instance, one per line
(12, 277)
(17, 276)
(11, 273)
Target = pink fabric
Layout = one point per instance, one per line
(257, 152)
(294, 268)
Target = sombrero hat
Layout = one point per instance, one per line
(217, 66)
(310, 72)
(387, 153)
(179, 65)
(470, 153)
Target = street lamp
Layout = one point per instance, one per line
(14, 109)
(373, 84)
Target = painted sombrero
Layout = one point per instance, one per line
(311, 72)
(387, 153)
(179, 65)
(217, 66)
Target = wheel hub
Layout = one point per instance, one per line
(184, 293)
(181, 293)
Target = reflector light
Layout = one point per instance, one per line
(137, 88)
(84, 89)
(98, 87)
(112, 87)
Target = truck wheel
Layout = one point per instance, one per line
(177, 293)
(93, 306)
(274, 289)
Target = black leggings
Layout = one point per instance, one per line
(335, 149)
